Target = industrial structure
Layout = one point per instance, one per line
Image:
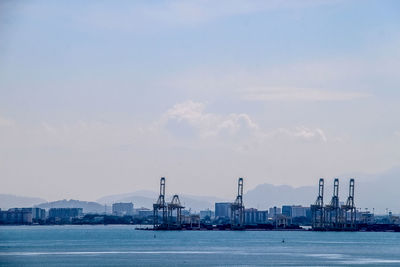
(334, 217)
(160, 206)
(174, 218)
(168, 216)
(332, 210)
(317, 210)
(237, 209)
(349, 209)
(324, 217)
(171, 213)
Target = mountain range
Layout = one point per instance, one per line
(87, 206)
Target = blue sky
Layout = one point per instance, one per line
(117, 94)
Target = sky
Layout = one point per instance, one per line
(105, 97)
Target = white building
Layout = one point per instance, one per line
(121, 209)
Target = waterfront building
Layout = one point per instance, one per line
(250, 216)
(206, 214)
(192, 219)
(65, 213)
(365, 217)
(280, 220)
(299, 211)
(16, 216)
(223, 209)
(144, 213)
(38, 214)
(254, 216)
(287, 210)
(121, 209)
(273, 212)
(295, 211)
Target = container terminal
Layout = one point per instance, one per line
(333, 216)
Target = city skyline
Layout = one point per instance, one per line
(262, 196)
(99, 99)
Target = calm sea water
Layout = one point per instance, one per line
(124, 246)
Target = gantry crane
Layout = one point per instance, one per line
(237, 209)
(349, 209)
(333, 209)
(317, 209)
(160, 205)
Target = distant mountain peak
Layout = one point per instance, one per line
(8, 201)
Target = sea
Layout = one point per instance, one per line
(122, 245)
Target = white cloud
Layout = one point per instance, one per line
(208, 124)
(304, 133)
(241, 125)
(188, 119)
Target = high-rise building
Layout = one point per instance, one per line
(254, 216)
(295, 211)
(38, 214)
(299, 211)
(274, 212)
(121, 209)
(223, 210)
(287, 211)
(250, 216)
